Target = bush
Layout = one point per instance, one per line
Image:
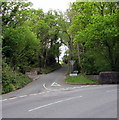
(50, 68)
(88, 64)
(12, 80)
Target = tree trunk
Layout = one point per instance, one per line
(70, 46)
(69, 58)
(110, 55)
(78, 53)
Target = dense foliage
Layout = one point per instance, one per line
(12, 80)
(95, 32)
(32, 38)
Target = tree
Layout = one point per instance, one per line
(95, 27)
(19, 45)
(11, 11)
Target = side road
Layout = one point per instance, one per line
(42, 83)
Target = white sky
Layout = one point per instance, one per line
(46, 5)
(51, 4)
(63, 49)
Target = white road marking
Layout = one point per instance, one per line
(23, 96)
(67, 88)
(32, 94)
(94, 85)
(53, 103)
(4, 99)
(44, 92)
(41, 93)
(13, 98)
(55, 84)
(45, 87)
(71, 88)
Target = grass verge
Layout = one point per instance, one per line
(80, 80)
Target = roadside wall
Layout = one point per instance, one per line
(109, 77)
(106, 77)
(95, 77)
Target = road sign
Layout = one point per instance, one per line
(74, 74)
(72, 62)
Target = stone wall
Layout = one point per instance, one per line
(95, 77)
(106, 77)
(109, 77)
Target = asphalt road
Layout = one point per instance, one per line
(50, 97)
(42, 83)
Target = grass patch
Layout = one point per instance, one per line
(80, 80)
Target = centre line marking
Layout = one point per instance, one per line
(53, 103)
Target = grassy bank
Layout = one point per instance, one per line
(80, 80)
(12, 80)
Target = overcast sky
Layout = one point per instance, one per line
(51, 4)
(46, 5)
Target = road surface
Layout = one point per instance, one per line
(50, 97)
